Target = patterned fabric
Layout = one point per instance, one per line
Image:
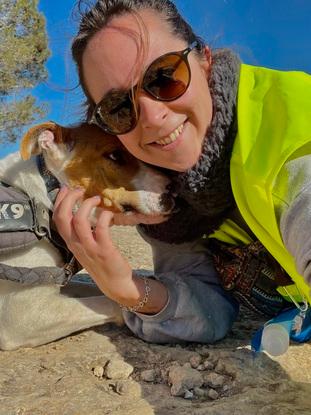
(251, 274)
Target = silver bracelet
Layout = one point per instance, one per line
(141, 303)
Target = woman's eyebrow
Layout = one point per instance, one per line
(115, 90)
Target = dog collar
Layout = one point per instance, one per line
(51, 183)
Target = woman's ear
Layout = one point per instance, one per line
(206, 60)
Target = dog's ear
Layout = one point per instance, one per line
(40, 137)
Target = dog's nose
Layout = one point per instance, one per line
(166, 202)
(127, 208)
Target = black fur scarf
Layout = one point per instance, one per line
(204, 192)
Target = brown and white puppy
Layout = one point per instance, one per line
(78, 156)
(84, 156)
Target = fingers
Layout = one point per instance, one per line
(82, 226)
(63, 211)
(93, 249)
(75, 228)
(102, 231)
(63, 191)
(65, 201)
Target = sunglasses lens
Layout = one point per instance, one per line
(116, 113)
(167, 78)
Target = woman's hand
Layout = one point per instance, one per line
(96, 252)
(94, 249)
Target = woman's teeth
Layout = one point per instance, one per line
(172, 137)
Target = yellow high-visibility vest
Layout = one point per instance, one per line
(274, 125)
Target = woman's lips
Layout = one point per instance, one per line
(172, 140)
(172, 137)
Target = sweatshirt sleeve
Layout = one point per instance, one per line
(292, 195)
(198, 309)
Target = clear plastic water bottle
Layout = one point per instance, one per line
(275, 338)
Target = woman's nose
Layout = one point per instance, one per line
(152, 112)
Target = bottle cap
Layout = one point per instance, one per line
(275, 339)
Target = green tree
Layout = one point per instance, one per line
(23, 53)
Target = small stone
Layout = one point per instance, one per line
(188, 394)
(208, 365)
(98, 371)
(173, 363)
(214, 380)
(212, 394)
(183, 378)
(204, 352)
(226, 388)
(230, 370)
(148, 375)
(195, 361)
(128, 388)
(214, 357)
(178, 389)
(118, 369)
(199, 392)
(220, 367)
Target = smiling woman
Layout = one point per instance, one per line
(209, 122)
(153, 116)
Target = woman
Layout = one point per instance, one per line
(153, 83)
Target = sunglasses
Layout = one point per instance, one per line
(166, 79)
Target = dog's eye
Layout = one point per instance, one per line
(116, 156)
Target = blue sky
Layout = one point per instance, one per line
(276, 34)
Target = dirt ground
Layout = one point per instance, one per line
(108, 371)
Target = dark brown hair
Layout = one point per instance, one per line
(102, 12)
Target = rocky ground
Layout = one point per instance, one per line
(109, 371)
